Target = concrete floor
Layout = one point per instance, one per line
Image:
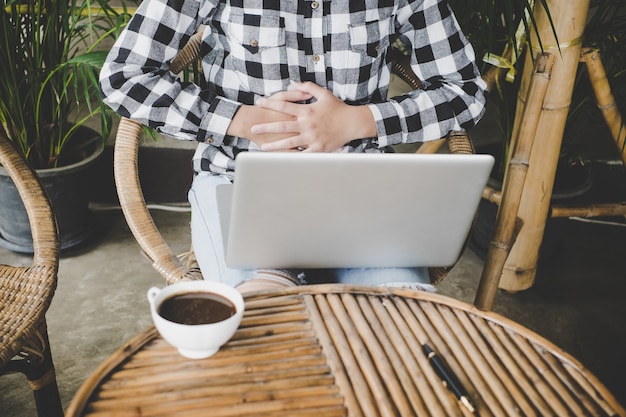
(577, 302)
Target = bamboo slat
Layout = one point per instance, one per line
(359, 355)
(430, 387)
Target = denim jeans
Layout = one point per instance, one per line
(206, 238)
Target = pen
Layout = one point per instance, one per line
(448, 377)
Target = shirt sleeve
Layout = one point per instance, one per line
(136, 82)
(453, 97)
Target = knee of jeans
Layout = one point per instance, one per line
(380, 276)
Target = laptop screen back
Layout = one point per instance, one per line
(315, 210)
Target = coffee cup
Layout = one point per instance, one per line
(196, 317)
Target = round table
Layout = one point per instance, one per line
(335, 350)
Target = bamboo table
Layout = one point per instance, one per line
(333, 350)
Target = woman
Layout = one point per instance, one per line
(310, 76)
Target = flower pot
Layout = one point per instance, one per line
(68, 188)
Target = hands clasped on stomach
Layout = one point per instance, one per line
(281, 123)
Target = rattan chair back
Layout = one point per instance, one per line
(26, 292)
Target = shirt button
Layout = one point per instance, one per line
(316, 58)
(254, 43)
(315, 5)
(209, 140)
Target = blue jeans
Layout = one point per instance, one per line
(206, 236)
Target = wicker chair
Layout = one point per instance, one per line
(26, 292)
(134, 206)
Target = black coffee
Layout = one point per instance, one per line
(196, 308)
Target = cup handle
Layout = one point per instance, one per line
(152, 293)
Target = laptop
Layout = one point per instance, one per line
(332, 210)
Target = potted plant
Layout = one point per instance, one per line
(50, 57)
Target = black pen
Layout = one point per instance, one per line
(448, 377)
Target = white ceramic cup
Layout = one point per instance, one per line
(200, 340)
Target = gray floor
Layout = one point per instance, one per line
(577, 301)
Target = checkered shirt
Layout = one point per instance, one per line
(254, 48)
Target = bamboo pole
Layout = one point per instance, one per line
(590, 210)
(605, 99)
(506, 221)
(569, 19)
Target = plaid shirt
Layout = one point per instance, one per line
(253, 48)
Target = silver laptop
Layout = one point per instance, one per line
(320, 210)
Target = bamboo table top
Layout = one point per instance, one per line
(333, 350)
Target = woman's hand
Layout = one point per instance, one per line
(248, 116)
(322, 126)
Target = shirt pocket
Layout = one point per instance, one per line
(365, 58)
(370, 38)
(258, 53)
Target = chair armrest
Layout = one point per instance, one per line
(26, 292)
(40, 215)
(135, 209)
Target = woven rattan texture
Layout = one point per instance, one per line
(26, 292)
(335, 351)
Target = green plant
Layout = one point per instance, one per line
(493, 26)
(50, 56)
(496, 27)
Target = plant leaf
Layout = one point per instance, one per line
(94, 59)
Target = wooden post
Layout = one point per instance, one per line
(605, 99)
(569, 17)
(507, 222)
